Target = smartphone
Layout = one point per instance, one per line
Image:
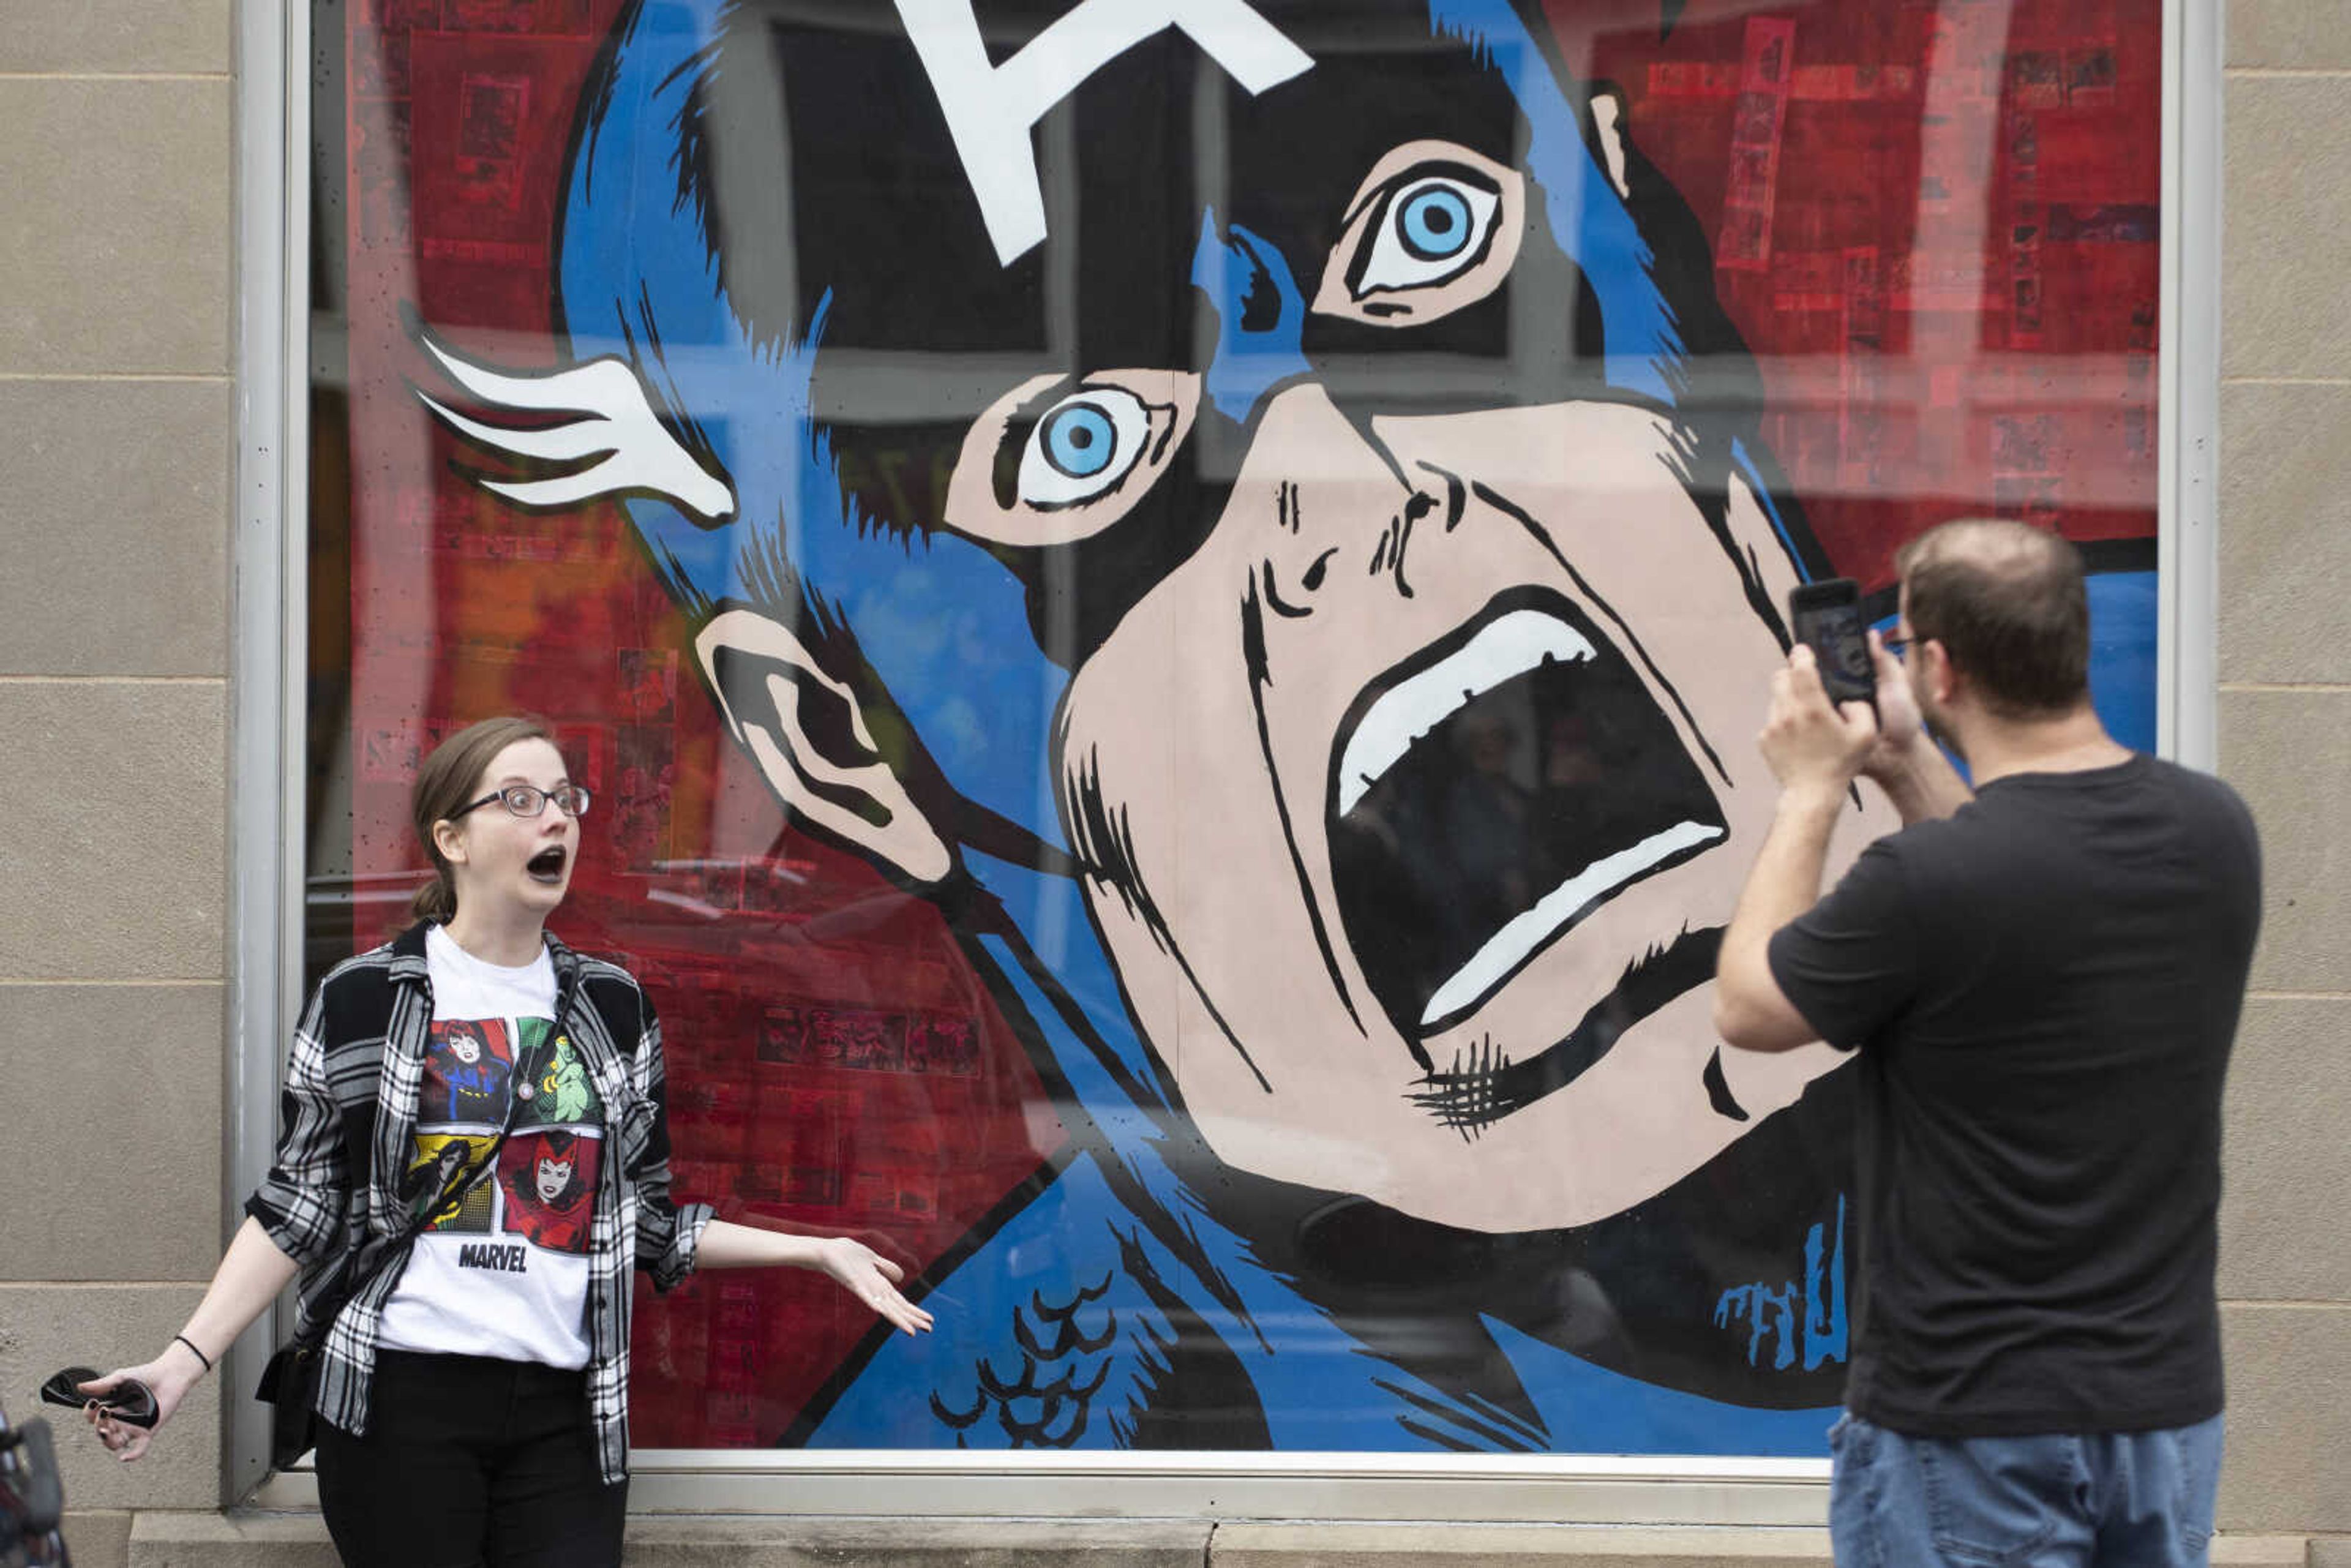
(1826, 616)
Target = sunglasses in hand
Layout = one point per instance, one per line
(131, 1402)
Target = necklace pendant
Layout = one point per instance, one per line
(527, 1093)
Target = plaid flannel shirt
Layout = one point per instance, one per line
(349, 1107)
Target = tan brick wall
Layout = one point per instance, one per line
(116, 286)
(2286, 742)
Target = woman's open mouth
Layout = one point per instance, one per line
(547, 866)
(1490, 792)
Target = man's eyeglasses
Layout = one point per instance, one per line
(530, 800)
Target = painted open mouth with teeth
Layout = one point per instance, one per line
(1492, 791)
(546, 866)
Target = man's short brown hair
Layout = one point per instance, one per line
(2006, 601)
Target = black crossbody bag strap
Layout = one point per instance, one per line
(291, 1380)
(454, 1189)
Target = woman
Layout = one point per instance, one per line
(472, 1388)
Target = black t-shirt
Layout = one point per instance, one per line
(2043, 988)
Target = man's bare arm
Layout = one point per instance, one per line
(1751, 1011)
(1815, 751)
(1917, 778)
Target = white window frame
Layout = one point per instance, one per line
(268, 751)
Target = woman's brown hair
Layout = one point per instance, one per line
(446, 782)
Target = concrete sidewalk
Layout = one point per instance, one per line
(254, 1539)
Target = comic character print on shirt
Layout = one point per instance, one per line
(548, 1181)
(546, 1169)
(562, 1092)
(468, 1068)
(435, 1162)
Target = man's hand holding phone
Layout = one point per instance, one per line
(1906, 762)
(1823, 722)
(1815, 748)
(1901, 728)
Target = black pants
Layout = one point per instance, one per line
(470, 1461)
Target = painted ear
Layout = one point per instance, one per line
(1766, 560)
(809, 735)
(1608, 136)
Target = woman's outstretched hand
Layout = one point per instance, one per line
(859, 1270)
(169, 1377)
(872, 1278)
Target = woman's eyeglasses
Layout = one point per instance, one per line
(530, 800)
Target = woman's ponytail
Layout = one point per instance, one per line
(437, 900)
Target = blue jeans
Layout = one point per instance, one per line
(2129, 1499)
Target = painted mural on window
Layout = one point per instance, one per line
(1165, 602)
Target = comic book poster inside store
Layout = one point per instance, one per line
(1164, 604)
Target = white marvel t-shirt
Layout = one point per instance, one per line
(503, 1271)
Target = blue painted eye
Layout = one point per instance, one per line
(1435, 223)
(1079, 439)
(1083, 447)
(1430, 230)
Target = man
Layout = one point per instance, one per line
(1116, 469)
(2043, 978)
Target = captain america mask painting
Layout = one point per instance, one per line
(1317, 689)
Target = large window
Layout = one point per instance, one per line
(1167, 623)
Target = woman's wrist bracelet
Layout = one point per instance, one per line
(200, 1356)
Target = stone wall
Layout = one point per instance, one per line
(117, 405)
(2286, 742)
